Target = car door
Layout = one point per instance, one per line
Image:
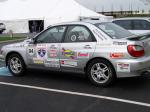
(77, 48)
(44, 53)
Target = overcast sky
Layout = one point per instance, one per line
(108, 5)
(115, 5)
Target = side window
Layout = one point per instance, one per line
(52, 35)
(78, 34)
(124, 23)
(141, 25)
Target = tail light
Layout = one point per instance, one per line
(136, 50)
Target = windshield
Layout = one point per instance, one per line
(113, 30)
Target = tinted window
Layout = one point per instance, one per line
(52, 35)
(78, 34)
(113, 30)
(141, 25)
(124, 23)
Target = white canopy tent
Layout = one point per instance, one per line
(16, 14)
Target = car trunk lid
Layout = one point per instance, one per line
(144, 41)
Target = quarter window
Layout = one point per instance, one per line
(78, 34)
(51, 35)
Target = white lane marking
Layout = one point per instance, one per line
(78, 94)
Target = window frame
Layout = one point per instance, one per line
(36, 37)
(70, 25)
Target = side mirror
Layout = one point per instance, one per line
(32, 41)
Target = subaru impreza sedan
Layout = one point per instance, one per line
(102, 51)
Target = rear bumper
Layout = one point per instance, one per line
(135, 67)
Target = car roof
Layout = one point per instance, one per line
(132, 18)
(88, 22)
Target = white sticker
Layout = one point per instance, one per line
(31, 51)
(123, 67)
(52, 63)
(68, 63)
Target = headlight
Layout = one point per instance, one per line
(1, 51)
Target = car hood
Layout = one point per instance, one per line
(19, 44)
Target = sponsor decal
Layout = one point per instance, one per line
(53, 47)
(123, 67)
(99, 34)
(31, 51)
(83, 55)
(68, 63)
(41, 52)
(38, 61)
(116, 55)
(69, 53)
(41, 45)
(17, 46)
(119, 43)
(52, 63)
(52, 52)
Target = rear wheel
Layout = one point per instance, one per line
(100, 72)
(16, 65)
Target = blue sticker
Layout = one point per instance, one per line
(41, 52)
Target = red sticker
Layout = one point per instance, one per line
(116, 55)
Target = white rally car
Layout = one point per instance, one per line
(103, 51)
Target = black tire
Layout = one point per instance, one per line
(111, 72)
(22, 69)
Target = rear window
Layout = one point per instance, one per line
(113, 30)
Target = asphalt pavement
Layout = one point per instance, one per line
(47, 91)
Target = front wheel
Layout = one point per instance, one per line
(16, 65)
(100, 72)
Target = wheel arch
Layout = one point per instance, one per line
(85, 68)
(10, 53)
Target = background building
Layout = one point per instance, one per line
(118, 7)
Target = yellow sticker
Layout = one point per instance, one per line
(37, 61)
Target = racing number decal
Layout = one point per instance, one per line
(31, 51)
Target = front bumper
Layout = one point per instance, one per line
(135, 67)
(2, 59)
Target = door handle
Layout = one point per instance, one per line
(87, 47)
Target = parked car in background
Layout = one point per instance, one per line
(138, 25)
(2, 28)
(103, 51)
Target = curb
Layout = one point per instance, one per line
(11, 40)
